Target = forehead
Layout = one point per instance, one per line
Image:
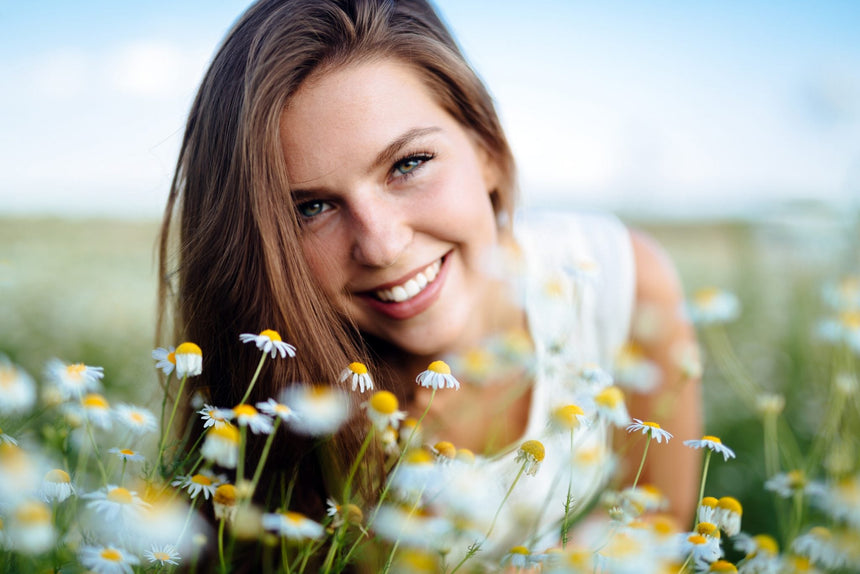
(338, 118)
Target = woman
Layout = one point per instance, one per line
(344, 180)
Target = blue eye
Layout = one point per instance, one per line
(311, 209)
(408, 165)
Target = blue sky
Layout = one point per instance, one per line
(672, 106)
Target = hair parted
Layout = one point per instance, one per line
(229, 255)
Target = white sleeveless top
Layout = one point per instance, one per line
(578, 294)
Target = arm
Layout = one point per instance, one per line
(676, 403)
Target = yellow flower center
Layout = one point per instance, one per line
(610, 397)
(225, 495)
(188, 349)
(111, 554)
(76, 371)
(534, 448)
(294, 517)
(358, 368)
(7, 376)
(446, 449)
(712, 439)
(722, 566)
(707, 529)
(766, 543)
(120, 495)
(418, 456)
(465, 455)
(162, 556)
(136, 417)
(95, 401)
(522, 550)
(850, 319)
(710, 501)
(244, 411)
(384, 402)
(201, 479)
(272, 335)
(730, 504)
(650, 424)
(33, 513)
(440, 367)
(820, 532)
(58, 475)
(706, 296)
(227, 433)
(697, 539)
(126, 451)
(796, 479)
(567, 416)
(171, 357)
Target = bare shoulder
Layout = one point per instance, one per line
(656, 277)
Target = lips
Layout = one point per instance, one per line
(412, 295)
(412, 286)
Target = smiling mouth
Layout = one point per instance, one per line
(412, 286)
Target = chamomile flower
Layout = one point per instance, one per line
(162, 555)
(321, 409)
(729, 512)
(248, 416)
(127, 455)
(73, 380)
(107, 559)
(97, 410)
(358, 375)
(204, 482)
(166, 359)
(702, 548)
(649, 429)
(634, 371)
(786, 484)
(712, 443)
(567, 417)
(840, 499)
(214, 417)
(189, 360)
(518, 557)
(722, 566)
(411, 433)
(712, 306)
(382, 410)
(17, 389)
(116, 503)
(136, 419)
(707, 511)
(269, 341)
(30, 529)
(594, 376)
(293, 525)
(437, 376)
(348, 513)
(610, 406)
(761, 554)
(56, 486)
(444, 451)
(224, 502)
(418, 475)
(221, 445)
(531, 453)
(817, 545)
(275, 409)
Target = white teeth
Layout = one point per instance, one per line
(412, 287)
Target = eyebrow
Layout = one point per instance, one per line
(402, 141)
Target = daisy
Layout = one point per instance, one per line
(531, 454)
(594, 376)
(127, 455)
(712, 306)
(203, 482)
(248, 416)
(116, 502)
(321, 409)
(610, 406)
(707, 511)
(270, 342)
(417, 476)
(567, 418)
(17, 389)
(166, 359)
(166, 554)
(221, 445)
(275, 409)
(97, 410)
(702, 548)
(713, 443)
(350, 513)
(107, 560)
(411, 433)
(729, 512)
(293, 525)
(73, 380)
(213, 416)
(518, 557)
(382, 410)
(786, 484)
(444, 451)
(649, 429)
(634, 371)
(136, 419)
(708, 529)
(722, 566)
(761, 554)
(817, 545)
(30, 529)
(845, 294)
(224, 502)
(189, 360)
(840, 499)
(437, 376)
(388, 438)
(357, 373)
(57, 485)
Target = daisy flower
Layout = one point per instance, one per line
(729, 512)
(817, 545)
(221, 445)
(321, 409)
(437, 376)
(73, 380)
(567, 418)
(594, 376)
(17, 389)
(650, 429)
(136, 419)
(445, 451)
(411, 433)
(357, 374)
(57, 485)
(97, 410)
(275, 409)
(189, 360)
(634, 371)
(248, 416)
(418, 475)
(293, 525)
(116, 502)
(166, 359)
(30, 529)
(531, 453)
(107, 560)
(270, 342)
(518, 557)
(166, 554)
(786, 484)
(712, 306)
(203, 482)
(712, 443)
(127, 455)
(350, 513)
(213, 416)
(610, 406)
(382, 410)
(722, 566)
(707, 511)
(702, 548)
(840, 499)
(224, 502)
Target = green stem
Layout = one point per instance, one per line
(642, 463)
(240, 467)
(254, 379)
(101, 466)
(265, 455)
(166, 432)
(221, 546)
(702, 486)
(348, 486)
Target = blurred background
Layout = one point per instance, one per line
(730, 131)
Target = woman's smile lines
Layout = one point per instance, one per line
(412, 286)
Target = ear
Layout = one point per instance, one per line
(489, 169)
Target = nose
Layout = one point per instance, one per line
(381, 234)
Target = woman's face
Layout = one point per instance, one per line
(394, 199)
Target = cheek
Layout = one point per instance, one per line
(321, 258)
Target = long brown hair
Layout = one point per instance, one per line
(233, 264)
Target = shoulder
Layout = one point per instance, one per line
(656, 276)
